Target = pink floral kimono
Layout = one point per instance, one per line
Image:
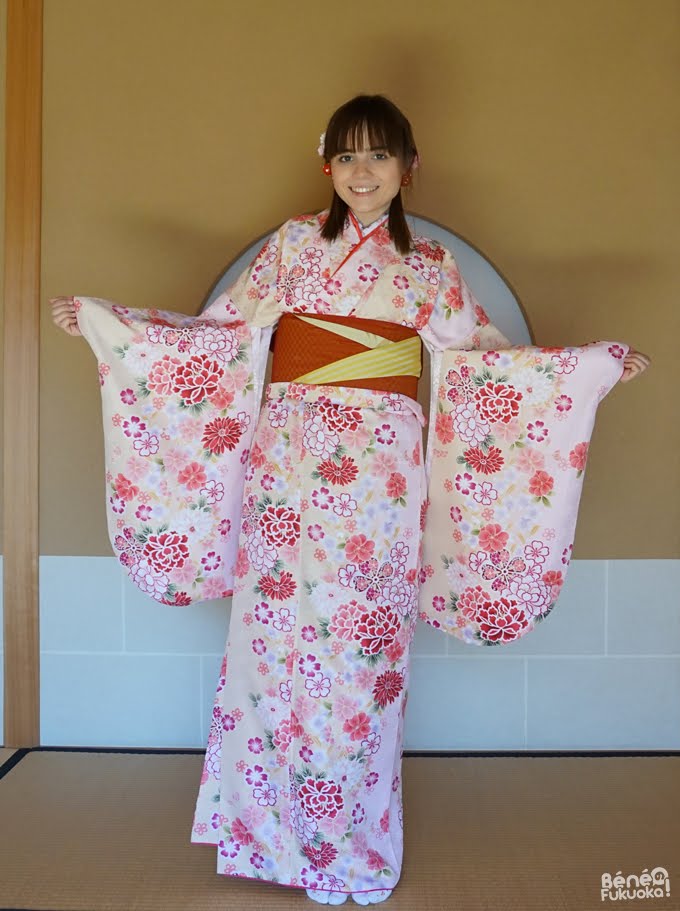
(335, 535)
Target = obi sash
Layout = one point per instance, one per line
(347, 351)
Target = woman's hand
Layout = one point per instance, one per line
(634, 363)
(64, 314)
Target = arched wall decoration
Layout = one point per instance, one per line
(488, 285)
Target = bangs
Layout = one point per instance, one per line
(370, 119)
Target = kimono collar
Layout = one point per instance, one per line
(364, 230)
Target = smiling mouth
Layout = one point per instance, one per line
(363, 190)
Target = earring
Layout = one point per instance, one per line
(327, 169)
(406, 179)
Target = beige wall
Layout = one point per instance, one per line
(176, 132)
(3, 58)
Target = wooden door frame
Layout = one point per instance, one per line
(23, 187)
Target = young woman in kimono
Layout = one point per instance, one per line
(301, 782)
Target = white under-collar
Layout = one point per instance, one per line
(366, 229)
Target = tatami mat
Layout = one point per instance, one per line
(87, 831)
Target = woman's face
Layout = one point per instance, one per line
(367, 180)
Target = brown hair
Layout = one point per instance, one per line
(386, 127)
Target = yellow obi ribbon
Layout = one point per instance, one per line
(385, 357)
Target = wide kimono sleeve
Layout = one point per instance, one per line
(180, 398)
(509, 436)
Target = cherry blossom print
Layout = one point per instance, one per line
(497, 402)
(213, 492)
(146, 444)
(197, 378)
(344, 505)
(368, 273)
(134, 427)
(465, 483)
(616, 351)
(563, 403)
(385, 435)
(537, 431)
(564, 363)
(485, 493)
(401, 282)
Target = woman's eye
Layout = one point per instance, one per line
(344, 158)
(381, 156)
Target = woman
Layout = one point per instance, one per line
(301, 783)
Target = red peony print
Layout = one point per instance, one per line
(484, 462)
(470, 601)
(577, 458)
(375, 860)
(278, 589)
(321, 857)
(221, 434)
(498, 402)
(166, 551)
(334, 473)
(197, 379)
(376, 629)
(541, 484)
(387, 687)
(358, 726)
(492, 537)
(339, 418)
(321, 798)
(502, 621)
(280, 525)
(240, 833)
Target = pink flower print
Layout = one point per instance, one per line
(372, 577)
(359, 548)
(332, 286)
(193, 476)
(485, 493)
(358, 814)
(358, 726)
(469, 424)
(578, 457)
(128, 397)
(213, 492)
(146, 444)
(502, 569)
(229, 848)
(455, 513)
(563, 403)
(305, 754)
(344, 505)
(322, 498)
(492, 537)
(384, 463)
(616, 351)
(308, 665)
(465, 484)
(315, 532)
(566, 554)
(267, 481)
(385, 435)
(367, 272)
(444, 428)
(530, 460)
(343, 620)
(438, 603)
(490, 358)
(134, 427)
(117, 505)
(375, 860)
(565, 362)
(371, 743)
(396, 485)
(257, 860)
(283, 620)
(214, 587)
(255, 745)
(266, 795)
(401, 282)
(286, 690)
(143, 513)
(308, 633)
(318, 686)
(541, 484)
(537, 431)
(259, 647)
(224, 527)
(536, 552)
(289, 284)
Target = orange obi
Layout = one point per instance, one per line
(347, 351)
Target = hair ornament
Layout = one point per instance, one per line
(322, 145)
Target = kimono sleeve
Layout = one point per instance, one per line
(180, 399)
(512, 431)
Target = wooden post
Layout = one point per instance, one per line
(21, 371)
